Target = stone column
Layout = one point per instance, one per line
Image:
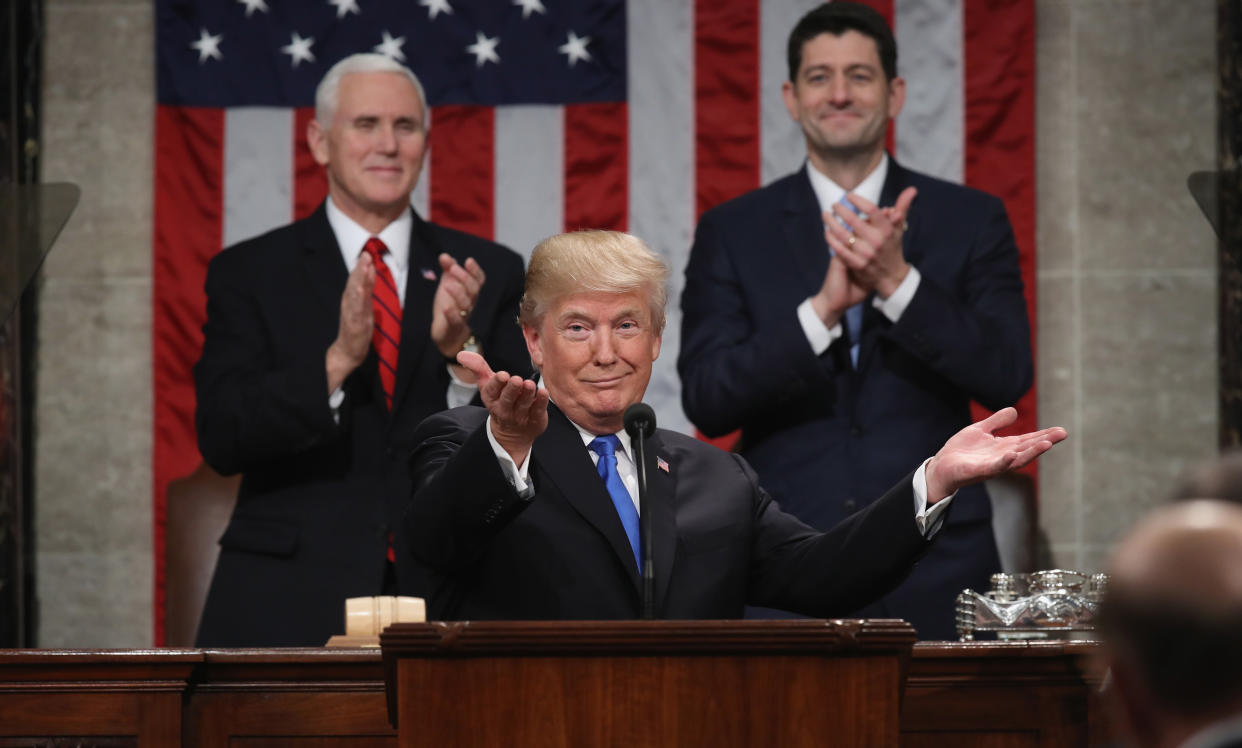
(1229, 216)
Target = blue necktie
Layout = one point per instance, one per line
(606, 448)
(853, 315)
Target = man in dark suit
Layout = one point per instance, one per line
(847, 342)
(1172, 627)
(326, 342)
(527, 510)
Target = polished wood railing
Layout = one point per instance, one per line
(971, 694)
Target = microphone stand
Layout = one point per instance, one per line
(640, 423)
(644, 528)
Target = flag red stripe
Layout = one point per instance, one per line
(999, 60)
(726, 112)
(189, 202)
(596, 166)
(726, 93)
(310, 181)
(463, 168)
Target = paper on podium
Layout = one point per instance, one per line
(366, 617)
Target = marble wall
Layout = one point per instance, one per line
(1127, 262)
(1126, 283)
(93, 403)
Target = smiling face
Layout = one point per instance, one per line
(373, 148)
(594, 351)
(841, 98)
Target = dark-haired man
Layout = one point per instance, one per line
(846, 340)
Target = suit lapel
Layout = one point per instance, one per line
(565, 462)
(804, 232)
(323, 264)
(662, 513)
(416, 311)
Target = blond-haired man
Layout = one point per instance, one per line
(524, 512)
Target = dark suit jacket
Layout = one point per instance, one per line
(318, 498)
(823, 437)
(720, 541)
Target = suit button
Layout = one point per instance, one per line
(856, 430)
(390, 452)
(850, 505)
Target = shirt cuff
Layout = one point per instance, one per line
(928, 518)
(819, 335)
(894, 306)
(517, 475)
(459, 393)
(334, 402)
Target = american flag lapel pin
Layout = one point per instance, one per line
(429, 274)
(662, 463)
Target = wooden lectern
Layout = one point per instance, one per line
(646, 683)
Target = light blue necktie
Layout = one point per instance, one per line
(853, 315)
(606, 448)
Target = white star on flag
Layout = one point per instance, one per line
(253, 5)
(391, 47)
(207, 46)
(484, 49)
(530, 6)
(299, 49)
(575, 48)
(344, 7)
(436, 7)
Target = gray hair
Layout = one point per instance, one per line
(593, 260)
(326, 95)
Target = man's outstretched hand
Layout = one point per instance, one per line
(975, 453)
(518, 407)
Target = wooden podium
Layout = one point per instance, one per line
(647, 683)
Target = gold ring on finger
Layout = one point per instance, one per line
(851, 240)
(464, 312)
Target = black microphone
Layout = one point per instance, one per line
(639, 419)
(640, 423)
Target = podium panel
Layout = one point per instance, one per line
(649, 683)
(95, 698)
(1041, 694)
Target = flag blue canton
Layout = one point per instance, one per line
(244, 64)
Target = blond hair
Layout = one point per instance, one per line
(593, 260)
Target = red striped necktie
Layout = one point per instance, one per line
(387, 305)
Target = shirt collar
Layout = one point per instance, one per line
(351, 237)
(623, 436)
(828, 192)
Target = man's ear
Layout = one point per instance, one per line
(790, 95)
(317, 139)
(896, 96)
(533, 344)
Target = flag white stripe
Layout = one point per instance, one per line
(530, 169)
(783, 148)
(661, 165)
(931, 128)
(258, 171)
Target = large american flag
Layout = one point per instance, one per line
(547, 115)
